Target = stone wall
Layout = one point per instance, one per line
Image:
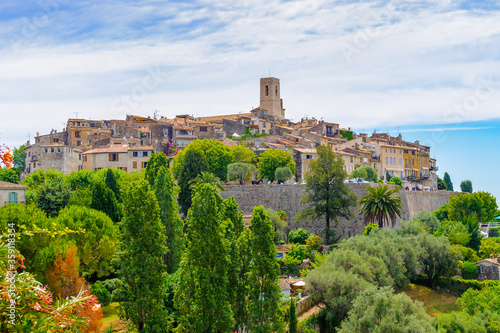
(287, 198)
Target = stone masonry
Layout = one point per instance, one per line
(287, 198)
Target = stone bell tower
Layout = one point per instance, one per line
(270, 99)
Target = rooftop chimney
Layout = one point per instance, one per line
(498, 259)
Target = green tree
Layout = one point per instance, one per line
(111, 183)
(359, 173)
(201, 295)
(169, 216)
(326, 194)
(479, 206)
(336, 288)
(438, 258)
(243, 154)
(193, 165)
(35, 180)
(279, 221)
(371, 173)
(469, 270)
(283, 174)
(207, 178)
(19, 157)
(53, 195)
(460, 322)
(396, 180)
(272, 159)
(292, 324)
(213, 155)
(9, 175)
(490, 245)
(442, 212)
(381, 204)
(455, 231)
(466, 186)
(102, 294)
(387, 176)
(97, 240)
(447, 180)
(264, 294)
(298, 236)
(240, 171)
(429, 219)
(142, 267)
(104, 200)
(380, 310)
(155, 162)
(441, 184)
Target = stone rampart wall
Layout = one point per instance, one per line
(287, 198)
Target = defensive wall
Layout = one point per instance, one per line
(287, 197)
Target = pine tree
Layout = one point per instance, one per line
(142, 269)
(447, 180)
(265, 294)
(201, 294)
(169, 215)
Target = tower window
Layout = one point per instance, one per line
(276, 91)
(267, 90)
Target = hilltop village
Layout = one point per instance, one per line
(128, 144)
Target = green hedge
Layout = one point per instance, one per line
(456, 286)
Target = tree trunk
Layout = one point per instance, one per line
(327, 231)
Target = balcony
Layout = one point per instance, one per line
(375, 158)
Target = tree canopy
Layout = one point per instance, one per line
(466, 186)
(272, 159)
(447, 180)
(326, 194)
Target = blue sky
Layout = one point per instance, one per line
(412, 65)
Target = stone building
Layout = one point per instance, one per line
(12, 193)
(489, 269)
(120, 156)
(270, 97)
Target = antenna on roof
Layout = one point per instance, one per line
(76, 114)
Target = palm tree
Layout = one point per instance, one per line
(381, 204)
(207, 178)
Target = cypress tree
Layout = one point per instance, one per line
(111, 183)
(142, 269)
(104, 200)
(292, 325)
(169, 215)
(201, 294)
(265, 294)
(447, 180)
(194, 164)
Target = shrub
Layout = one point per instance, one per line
(298, 236)
(469, 270)
(102, 294)
(283, 174)
(396, 180)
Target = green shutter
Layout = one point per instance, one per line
(12, 197)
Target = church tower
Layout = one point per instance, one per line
(270, 97)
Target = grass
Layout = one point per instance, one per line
(435, 303)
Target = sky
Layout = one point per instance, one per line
(427, 69)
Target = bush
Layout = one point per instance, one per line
(102, 294)
(283, 174)
(396, 180)
(469, 270)
(298, 236)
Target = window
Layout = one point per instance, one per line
(145, 154)
(46, 150)
(386, 160)
(51, 150)
(78, 134)
(493, 269)
(12, 197)
(85, 158)
(267, 90)
(165, 132)
(183, 132)
(135, 154)
(263, 131)
(134, 164)
(481, 269)
(144, 164)
(203, 128)
(264, 124)
(77, 123)
(78, 143)
(276, 90)
(113, 157)
(309, 157)
(328, 130)
(80, 157)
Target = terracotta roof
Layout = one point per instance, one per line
(7, 185)
(284, 285)
(113, 149)
(491, 261)
(140, 148)
(306, 150)
(214, 119)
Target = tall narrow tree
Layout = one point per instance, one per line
(447, 180)
(142, 269)
(326, 194)
(155, 162)
(193, 165)
(169, 215)
(104, 200)
(201, 294)
(264, 295)
(111, 183)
